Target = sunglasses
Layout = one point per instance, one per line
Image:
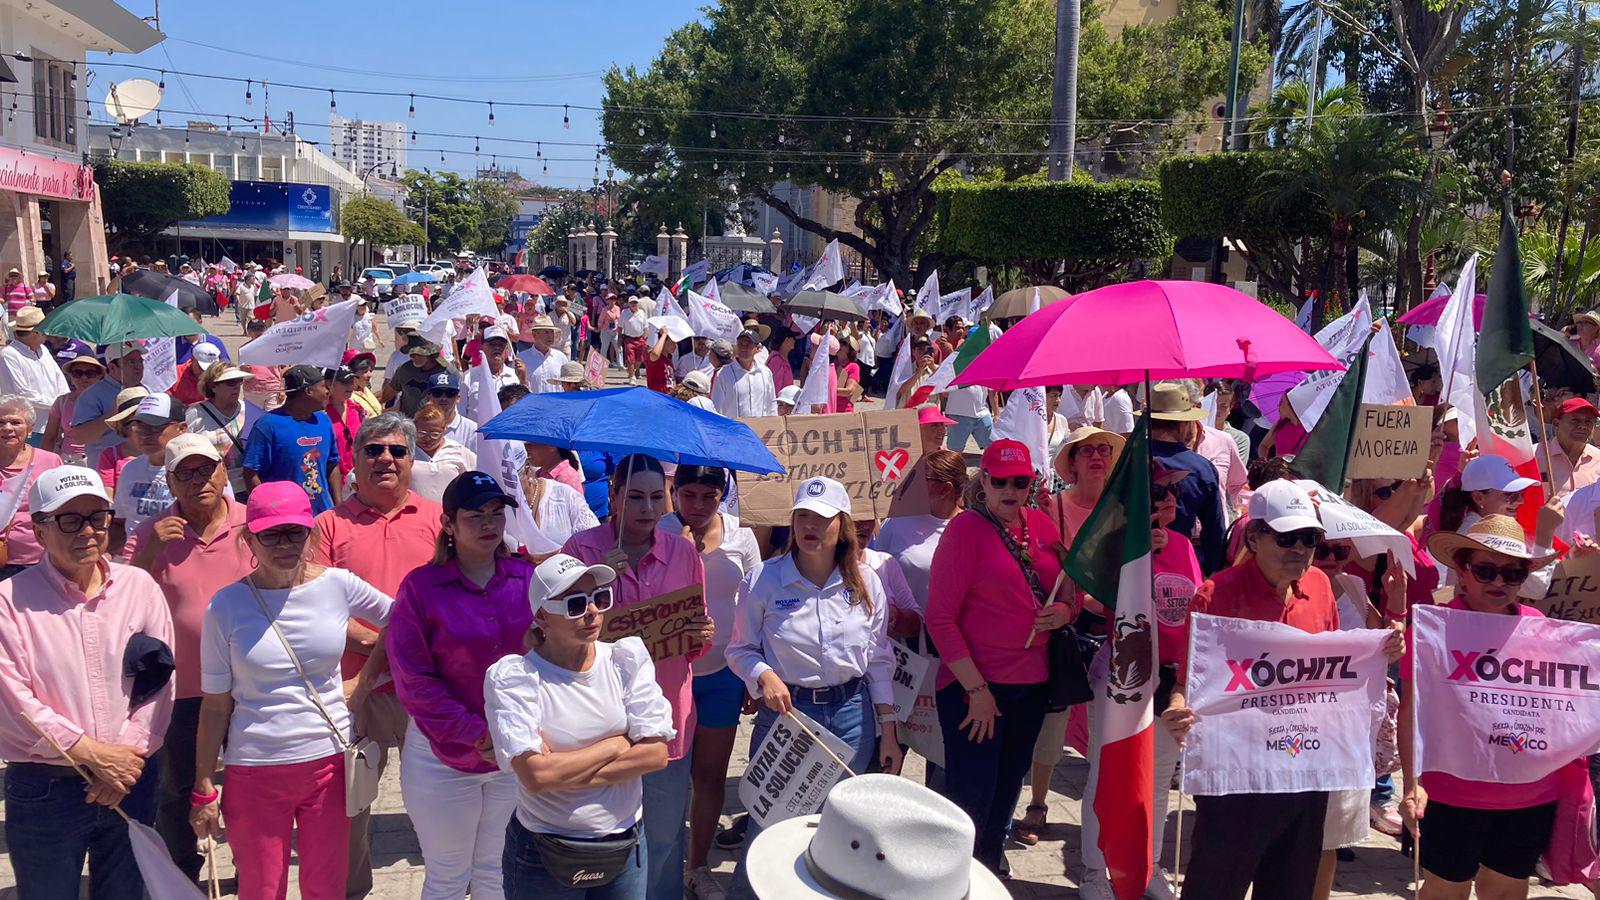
(398, 451)
(1304, 537)
(1016, 482)
(202, 471)
(288, 534)
(83, 372)
(72, 523)
(1485, 573)
(1335, 552)
(1387, 490)
(576, 605)
(443, 393)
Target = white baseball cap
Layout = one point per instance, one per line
(205, 354)
(1284, 506)
(699, 381)
(189, 444)
(63, 483)
(1493, 473)
(790, 395)
(823, 496)
(556, 575)
(495, 332)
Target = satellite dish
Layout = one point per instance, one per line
(128, 100)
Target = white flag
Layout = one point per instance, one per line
(1303, 317)
(881, 296)
(827, 270)
(954, 304)
(1386, 374)
(472, 296)
(654, 265)
(710, 318)
(983, 302)
(1342, 338)
(1023, 420)
(1456, 343)
(161, 358)
(13, 491)
(928, 295)
(900, 374)
(671, 318)
(815, 390)
(765, 282)
(1036, 303)
(711, 291)
(228, 265)
(481, 394)
(316, 338)
(695, 273)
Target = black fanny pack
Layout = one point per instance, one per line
(587, 862)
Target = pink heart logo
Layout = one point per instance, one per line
(891, 463)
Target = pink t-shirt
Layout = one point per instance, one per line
(1484, 794)
(63, 408)
(1068, 515)
(852, 372)
(1175, 575)
(22, 543)
(566, 474)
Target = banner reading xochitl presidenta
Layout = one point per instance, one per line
(1278, 710)
(1503, 698)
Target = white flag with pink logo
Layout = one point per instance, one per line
(1500, 698)
(1279, 711)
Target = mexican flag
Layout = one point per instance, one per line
(977, 340)
(1110, 559)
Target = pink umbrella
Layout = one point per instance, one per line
(291, 280)
(1429, 311)
(1168, 329)
(1267, 394)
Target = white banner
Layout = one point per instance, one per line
(408, 310)
(671, 318)
(161, 358)
(954, 304)
(480, 395)
(654, 265)
(765, 282)
(1342, 338)
(982, 303)
(1023, 420)
(921, 731)
(14, 490)
(928, 295)
(814, 391)
(315, 337)
(790, 774)
(827, 270)
(1343, 520)
(709, 318)
(472, 295)
(1280, 711)
(881, 297)
(911, 671)
(1505, 699)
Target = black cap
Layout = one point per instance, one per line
(472, 490)
(298, 378)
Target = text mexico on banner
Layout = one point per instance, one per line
(1508, 699)
(1278, 710)
(790, 774)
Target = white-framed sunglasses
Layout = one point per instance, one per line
(576, 605)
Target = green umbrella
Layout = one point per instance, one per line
(118, 317)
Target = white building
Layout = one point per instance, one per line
(49, 202)
(362, 144)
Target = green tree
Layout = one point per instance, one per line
(143, 199)
(550, 235)
(453, 217)
(496, 207)
(377, 223)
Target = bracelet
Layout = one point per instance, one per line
(198, 800)
(887, 719)
(979, 689)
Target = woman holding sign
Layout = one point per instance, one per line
(649, 563)
(452, 620)
(1486, 833)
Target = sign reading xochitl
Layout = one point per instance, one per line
(663, 623)
(873, 454)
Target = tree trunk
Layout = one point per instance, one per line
(1352, 268)
(1064, 93)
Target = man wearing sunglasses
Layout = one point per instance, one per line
(295, 442)
(444, 393)
(1271, 841)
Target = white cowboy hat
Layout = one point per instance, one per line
(879, 836)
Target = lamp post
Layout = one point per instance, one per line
(1438, 139)
(116, 141)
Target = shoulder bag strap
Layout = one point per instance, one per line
(311, 689)
(1016, 555)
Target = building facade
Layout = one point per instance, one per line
(49, 202)
(363, 144)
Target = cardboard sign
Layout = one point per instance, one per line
(790, 774)
(1574, 590)
(663, 623)
(872, 454)
(911, 672)
(594, 372)
(1391, 441)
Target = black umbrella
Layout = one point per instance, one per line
(826, 305)
(156, 286)
(553, 272)
(744, 299)
(1560, 362)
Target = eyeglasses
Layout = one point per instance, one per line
(288, 534)
(398, 451)
(1016, 482)
(72, 523)
(202, 471)
(1387, 490)
(1335, 552)
(83, 372)
(577, 604)
(1304, 537)
(430, 434)
(1485, 573)
(443, 392)
(1095, 449)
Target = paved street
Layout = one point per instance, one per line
(1048, 870)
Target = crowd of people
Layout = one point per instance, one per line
(227, 601)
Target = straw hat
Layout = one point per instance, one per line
(1501, 535)
(1079, 435)
(1169, 402)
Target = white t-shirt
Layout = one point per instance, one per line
(1118, 412)
(532, 704)
(726, 568)
(892, 575)
(967, 402)
(1085, 409)
(463, 431)
(541, 368)
(274, 719)
(142, 492)
(912, 540)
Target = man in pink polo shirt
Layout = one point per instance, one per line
(380, 534)
(68, 627)
(191, 549)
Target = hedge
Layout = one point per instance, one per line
(1009, 221)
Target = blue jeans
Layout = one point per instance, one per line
(49, 831)
(985, 778)
(978, 427)
(666, 807)
(852, 721)
(526, 878)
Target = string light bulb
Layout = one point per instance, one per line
(848, 137)
(538, 150)
(333, 102)
(566, 122)
(411, 111)
(715, 166)
(163, 83)
(713, 127)
(491, 114)
(475, 147)
(641, 129)
(247, 100)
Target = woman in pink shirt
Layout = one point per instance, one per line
(987, 615)
(18, 459)
(649, 563)
(1486, 833)
(17, 293)
(555, 464)
(452, 620)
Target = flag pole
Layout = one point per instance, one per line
(1545, 437)
(116, 807)
(819, 742)
(1177, 838)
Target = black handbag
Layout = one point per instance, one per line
(587, 862)
(1068, 681)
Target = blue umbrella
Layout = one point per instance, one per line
(634, 420)
(416, 278)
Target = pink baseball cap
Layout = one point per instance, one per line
(930, 415)
(1003, 459)
(277, 503)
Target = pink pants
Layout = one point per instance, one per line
(262, 805)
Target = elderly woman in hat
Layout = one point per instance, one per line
(1488, 834)
(1586, 330)
(219, 417)
(82, 369)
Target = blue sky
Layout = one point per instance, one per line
(532, 51)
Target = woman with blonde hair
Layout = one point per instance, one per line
(439, 459)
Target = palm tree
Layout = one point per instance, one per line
(1284, 114)
(1064, 92)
